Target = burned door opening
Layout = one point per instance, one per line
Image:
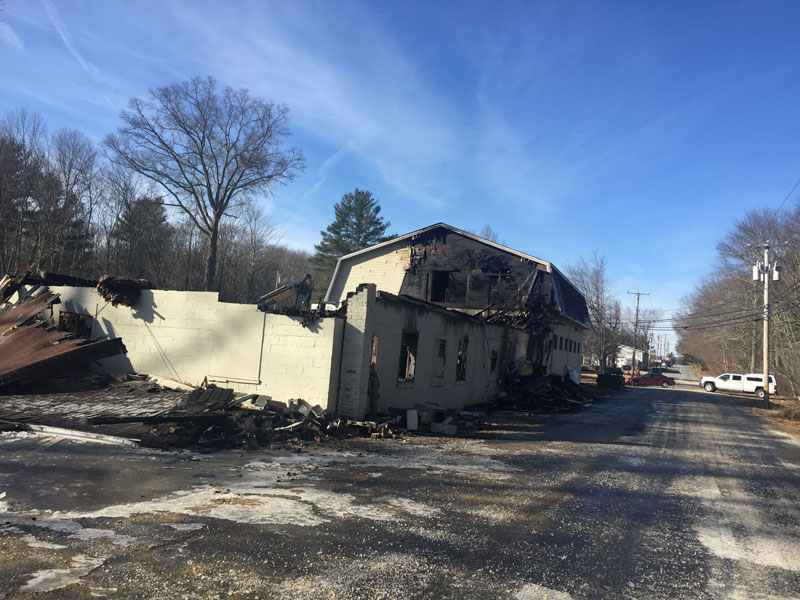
(461, 359)
(407, 364)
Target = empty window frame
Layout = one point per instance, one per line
(493, 363)
(579, 347)
(560, 343)
(439, 283)
(461, 359)
(407, 364)
(440, 358)
(373, 361)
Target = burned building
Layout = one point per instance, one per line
(437, 315)
(460, 271)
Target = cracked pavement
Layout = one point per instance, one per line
(650, 494)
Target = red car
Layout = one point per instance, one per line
(651, 379)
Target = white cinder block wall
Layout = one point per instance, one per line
(567, 349)
(188, 336)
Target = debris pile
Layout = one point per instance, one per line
(430, 416)
(122, 291)
(549, 394)
(31, 348)
(216, 418)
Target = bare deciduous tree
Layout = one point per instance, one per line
(209, 151)
(721, 325)
(602, 342)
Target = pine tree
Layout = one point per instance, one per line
(358, 224)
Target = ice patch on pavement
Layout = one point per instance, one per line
(35, 543)
(89, 534)
(734, 512)
(48, 580)
(15, 436)
(769, 551)
(253, 506)
(262, 505)
(186, 526)
(533, 591)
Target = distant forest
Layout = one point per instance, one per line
(65, 209)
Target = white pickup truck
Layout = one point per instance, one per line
(733, 382)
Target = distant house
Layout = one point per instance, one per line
(625, 357)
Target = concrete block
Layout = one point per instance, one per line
(412, 420)
(445, 429)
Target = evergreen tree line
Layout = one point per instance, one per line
(721, 327)
(65, 209)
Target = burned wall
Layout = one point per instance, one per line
(427, 354)
(191, 336)
(454, 271)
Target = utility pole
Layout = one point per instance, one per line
(761, 271)
(635, 365)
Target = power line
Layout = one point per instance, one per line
(774, 214)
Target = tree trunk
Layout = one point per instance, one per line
(211, 262)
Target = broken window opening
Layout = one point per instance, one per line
(374, 358)
(461, 359)
(441, 279)
(493, 365)
(441, 357)
(407, 365)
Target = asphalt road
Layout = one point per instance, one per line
(651, 494)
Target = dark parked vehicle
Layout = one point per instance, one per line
(612, 371)
(651, 379)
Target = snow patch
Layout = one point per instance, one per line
(53, 579)
(89, 534)
(35, 543)
(187, 526)
(533, 591)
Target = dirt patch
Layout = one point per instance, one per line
(782, 415)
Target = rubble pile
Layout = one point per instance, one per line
(216, 418)
(544, 394)
(432, 417)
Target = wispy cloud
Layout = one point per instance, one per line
(322, 172)
(373, 99)
(10, 38)
(63, 32)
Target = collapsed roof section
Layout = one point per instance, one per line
(32, 349)
(459, 270)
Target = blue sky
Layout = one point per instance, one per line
(639, 130)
